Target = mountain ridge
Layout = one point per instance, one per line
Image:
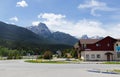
(15, 37)
(92, 37)
(58, 37)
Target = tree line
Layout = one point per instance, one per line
(46, 54)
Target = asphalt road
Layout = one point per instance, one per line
(19, 68)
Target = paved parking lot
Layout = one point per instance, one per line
(19, 68)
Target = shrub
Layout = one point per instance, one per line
(40, 57)
(47, 55)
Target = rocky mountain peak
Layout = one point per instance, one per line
(41, 29)
(58, 37)
(93, 37)
(42, 26)
(84, 37)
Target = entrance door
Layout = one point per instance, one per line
(108, 57)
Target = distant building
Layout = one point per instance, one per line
(59, 53)
(106, 49)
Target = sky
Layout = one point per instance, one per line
(75, 17)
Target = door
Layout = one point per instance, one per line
(108, 57)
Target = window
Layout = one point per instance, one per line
(97, 45)
(116, 44)
(118, 54)
(92, 56)
(84, 45)
(87, 56)
(108, 44)
(98, 56)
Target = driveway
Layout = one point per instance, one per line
(19, 68)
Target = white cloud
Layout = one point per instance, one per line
(35, 23)
(114, 31)
(15, 19)
(95, 5)
(22, 3)
(88, 27)
(58, 22)
(51, 16)
(53, 19)
(84, 26)
(13, 23)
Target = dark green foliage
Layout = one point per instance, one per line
(71, 51)
(40, 57)
(4, 51)
(47, 55)
(10, 54)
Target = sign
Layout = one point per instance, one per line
(117, 48)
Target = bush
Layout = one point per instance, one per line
(47, 55)
(10, 56)
(14, 54)
(40, 57)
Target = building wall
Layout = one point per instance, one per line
(106, 44)
(97, 50)
(117, 50)
(117, 43)
(103, 57)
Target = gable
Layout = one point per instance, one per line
(107, 39)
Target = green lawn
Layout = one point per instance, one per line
(114, 62)
(47, 61)
(116, 70)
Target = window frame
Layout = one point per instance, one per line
(97, 45)
(108, 44)
(93, 56)
(87, 56)
(98, 56)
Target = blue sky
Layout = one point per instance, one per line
(76, 17)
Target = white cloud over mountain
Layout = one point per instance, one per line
(58, 22)
(53, 19)
(95, 5)
(22, 3)
(35, 23)
(15, 19)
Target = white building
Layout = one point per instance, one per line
(106, 49)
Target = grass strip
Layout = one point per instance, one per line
(111, 63)
(41, 61)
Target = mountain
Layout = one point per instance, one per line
(57, 37)
(96, 37)
(63, 38)
(93, 37)
(14, 37)
(41, 29)
(84, 37)
(15, 33)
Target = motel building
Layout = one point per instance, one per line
(106, 49)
